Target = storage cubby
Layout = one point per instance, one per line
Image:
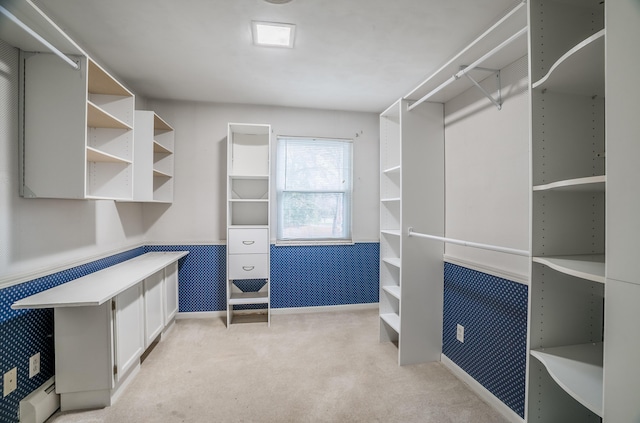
(154, 158)
(567, 295)
(248, 216)
(78, 130)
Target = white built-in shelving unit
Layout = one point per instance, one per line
(248, 215)
(410, 270)
(78, 130)
(153, 160)
(412, 188)
(568, 211)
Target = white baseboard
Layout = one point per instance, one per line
(290, 310)
(481, 391)
(324, 309)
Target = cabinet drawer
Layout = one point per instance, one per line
(248, 241)
(248, 266)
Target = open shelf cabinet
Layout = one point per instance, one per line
(567, 293)
(154, 158)
(77, 140)
(248, 217)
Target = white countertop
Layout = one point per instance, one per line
(98, 287)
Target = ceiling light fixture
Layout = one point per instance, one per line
(272, 34)
(278, 1)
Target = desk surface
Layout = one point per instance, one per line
(98, 287)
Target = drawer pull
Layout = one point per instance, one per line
(248, 268)
(248, 242)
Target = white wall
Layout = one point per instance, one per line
(37, 234)
(198, 213)
(487, 172)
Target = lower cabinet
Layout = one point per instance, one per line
(170, 292)
(98, 348)
(153, 307)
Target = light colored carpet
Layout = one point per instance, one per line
(324, 367)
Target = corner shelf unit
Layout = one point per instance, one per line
(567, 293)
(77, 140)
(410, 270)
(248, 217)
(154, 162)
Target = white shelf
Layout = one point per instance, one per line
(393, 320)
(249, 200)
(578, 71)
(392, 261)
(249, 176)
(590, 267)
(161, 174)
(249, 298)
(587, 184)
(98, 118)
(393, 290)
(394, 232)
(95, 155)
(390, 200)
(578, 370)
(159, 148)
(394, 169)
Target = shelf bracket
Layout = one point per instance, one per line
(496, 102)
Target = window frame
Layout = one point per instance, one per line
(347, 192)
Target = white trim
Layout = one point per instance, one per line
(180, 243)
(481, 391)
(501, 273)
(325, 309)
(290, 310)
(11, 280)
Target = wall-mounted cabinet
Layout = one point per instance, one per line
(248, 220)
(77, 130)
(411, 149)
(153, 158)
(567, 298)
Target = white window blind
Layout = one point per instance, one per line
(314, 187)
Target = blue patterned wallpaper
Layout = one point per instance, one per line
(493, 312)
(26, 332)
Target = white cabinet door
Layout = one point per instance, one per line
(128, 329)
(153, 305)
(170, 292)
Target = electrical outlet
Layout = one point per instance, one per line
(10, 381)
(460, 332)
(34, 365)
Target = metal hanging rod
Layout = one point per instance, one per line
(489, 247)
(37, 36)
(471, 67)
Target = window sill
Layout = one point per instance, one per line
(309, 243)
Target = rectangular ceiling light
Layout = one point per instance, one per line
(271, 34)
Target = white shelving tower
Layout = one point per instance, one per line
(411, 193)
(248, 215)
(567, 298)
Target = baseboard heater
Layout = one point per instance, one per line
(39, 405)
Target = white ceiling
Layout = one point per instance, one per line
(357, 55)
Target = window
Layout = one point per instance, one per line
(313, 186)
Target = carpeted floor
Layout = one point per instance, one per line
(324, 367)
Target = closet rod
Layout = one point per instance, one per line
(471, 244)
(37, 36)
(471, 67)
